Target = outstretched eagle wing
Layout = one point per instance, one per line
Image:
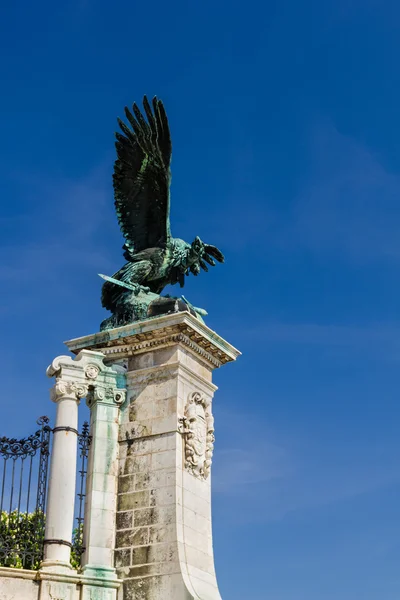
(142, 177)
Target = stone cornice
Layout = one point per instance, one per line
(178, 328)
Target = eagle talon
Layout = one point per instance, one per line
(141, 289)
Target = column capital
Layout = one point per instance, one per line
(109, 395)
(85, 376)
(68, 389)
(86, 366)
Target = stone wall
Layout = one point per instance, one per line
(18, 584)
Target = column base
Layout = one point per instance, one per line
(57, 566)
(98, 572)
(94, 584)
(99, 582)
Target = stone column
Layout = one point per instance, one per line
(104, 401)
(67, 393)
(164, 537)
(84, 376)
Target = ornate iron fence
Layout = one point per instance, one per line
(23, 493)
(78, 548)
(23, 481)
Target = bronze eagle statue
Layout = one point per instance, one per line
(141, 180)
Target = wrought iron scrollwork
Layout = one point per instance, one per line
(84, 441)
(23, 487)
(24, 472)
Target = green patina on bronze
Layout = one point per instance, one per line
(142, 179)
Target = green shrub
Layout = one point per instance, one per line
(21, 540)
(77, 546)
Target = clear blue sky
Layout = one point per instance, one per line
(285, 120)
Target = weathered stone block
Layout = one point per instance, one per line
(133, 500)
(141, 589)
(163, 496)
(137, 464)
(123, 557)
(132, 537)
(124, 520)
(146, 516)
(163, 460)
(141, 555)
(162, 533)
(150, 480)
(126, 483)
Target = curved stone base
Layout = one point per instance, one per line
(164, 535)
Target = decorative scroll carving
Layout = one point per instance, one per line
(106, 394)
(68, 388)
(119, 396)
(99, 393)
(198, 429)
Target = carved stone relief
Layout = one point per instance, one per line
(97, 593)
(92, 371)
(198, 429)
(60, 591)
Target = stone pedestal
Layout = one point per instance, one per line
(166, 437)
